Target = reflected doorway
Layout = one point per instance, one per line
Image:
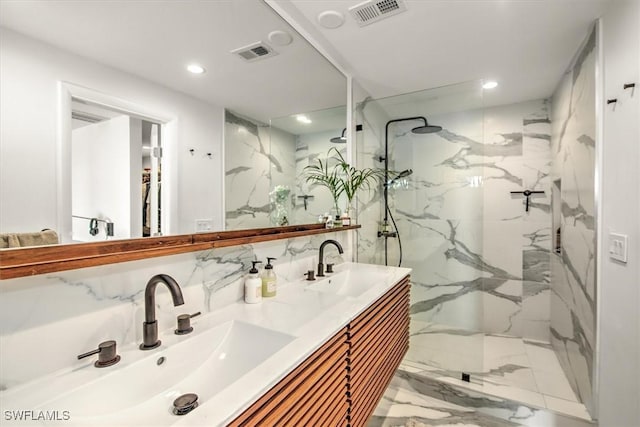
(115, 174)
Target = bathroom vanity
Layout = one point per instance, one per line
(341, 383)
(319, 353)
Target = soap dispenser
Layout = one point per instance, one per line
(269, 280)
(253, 286)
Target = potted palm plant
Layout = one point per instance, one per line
(339, 177)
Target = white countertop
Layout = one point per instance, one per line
(310, 317)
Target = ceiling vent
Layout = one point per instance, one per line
(86, 117)
(255, 51)
(373, 11)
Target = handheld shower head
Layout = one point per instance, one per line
(405, 173)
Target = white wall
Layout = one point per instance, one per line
(29, 74)
(619, 322)
(106, 180)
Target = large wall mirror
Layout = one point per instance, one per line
(265, 167)
(105, 134)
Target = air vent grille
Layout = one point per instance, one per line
(373, 11)
(255, 51)
(87, 117)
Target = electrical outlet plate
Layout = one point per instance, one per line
(618, 247)
(204, 225)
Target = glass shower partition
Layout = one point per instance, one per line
(434, 218)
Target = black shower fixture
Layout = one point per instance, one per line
(424, 129)
(405, 173)
(340, 139)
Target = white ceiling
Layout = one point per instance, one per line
(526, 45)
(156, 39)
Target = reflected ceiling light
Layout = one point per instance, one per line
(303, 119)
(242, 129)
(146, 147)
(196, 69)
(331, 19)
(491, 84)
(280, 38)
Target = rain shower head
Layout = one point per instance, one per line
(340, 139)
(421, 130)
(427, 128)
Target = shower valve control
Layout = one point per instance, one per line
(387, 234)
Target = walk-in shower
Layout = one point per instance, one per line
(385, 231)
(482, 294)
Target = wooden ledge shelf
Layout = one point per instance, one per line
(31, 261)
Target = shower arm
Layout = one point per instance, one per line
(386, 159)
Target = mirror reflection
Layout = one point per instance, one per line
(265, 177)
(56, 56)
(107, 198)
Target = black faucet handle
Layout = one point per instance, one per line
(184, 323)
(107, 354)
(310, 275)
(320, 272)
(329, 268)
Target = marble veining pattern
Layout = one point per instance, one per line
(81, 308)
(573, 296)
(472, 246)
(414, 398)
(257, 158)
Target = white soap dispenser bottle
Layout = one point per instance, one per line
(253, 286)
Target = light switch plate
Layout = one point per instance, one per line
(204, 225)
(618, 247)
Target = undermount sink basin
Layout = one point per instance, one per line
(353, 280)
(204, 364)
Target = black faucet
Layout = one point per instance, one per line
(321, 256)
(150, 326)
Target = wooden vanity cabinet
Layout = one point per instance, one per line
(341, 383)
(378, 340)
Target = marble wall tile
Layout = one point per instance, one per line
(309, 148)
(78, 309)
(573, 295)
(257, 158)
(469, 242)
(369, 206)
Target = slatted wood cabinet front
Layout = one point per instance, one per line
(341, 383)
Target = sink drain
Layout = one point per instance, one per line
(185, 404)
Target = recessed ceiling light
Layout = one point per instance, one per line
(331, 19)
(491, 84)
(196, 69)
(303, 119)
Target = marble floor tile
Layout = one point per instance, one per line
(512, 375)
(516, 394)
(542, 357)
(553, 384)
(404, 406)
(502, 367)
(417, 400)
(574, 409)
